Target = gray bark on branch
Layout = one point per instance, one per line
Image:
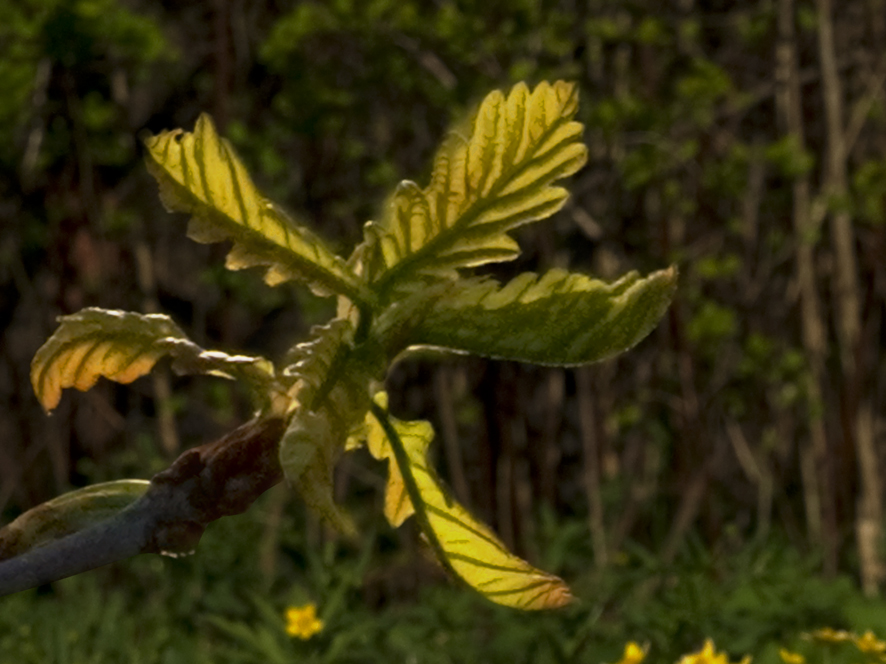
(208, 482)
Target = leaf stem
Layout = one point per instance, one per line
(364, 323)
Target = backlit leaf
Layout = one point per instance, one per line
(200, 173)
(490, 177)
(465, 546)
(123, 346)
(67, 514)
(560, 318)
(398, 507)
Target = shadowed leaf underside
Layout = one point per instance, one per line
(560, 318)
(331, 390)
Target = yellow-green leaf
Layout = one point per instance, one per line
(488, 178)
(398, 507)
(560, 318)
(465, 545)
(123, 346)
(200, 173)
(67, 514)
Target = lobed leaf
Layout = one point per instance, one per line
(199, 173)
(331, 397)
(464, 545)
(309, 362)
(560, 318)
(308, 454)
(123, 346)
(486, 181)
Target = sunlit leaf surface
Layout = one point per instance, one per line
(123, 346)
(468, 547)
(488, 178)
(560, 318)
(200, 173)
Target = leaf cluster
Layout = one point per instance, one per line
(403, 287)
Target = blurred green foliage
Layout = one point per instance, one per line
(689, 162)
(209, 608)
(86, 40)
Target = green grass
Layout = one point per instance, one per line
(216, 606)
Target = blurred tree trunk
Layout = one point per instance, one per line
(692, 462)
(859, 428)
(449, 433)
(549, 451)
(818, 496)
(591, 434)
(222, 62)
(166, 426)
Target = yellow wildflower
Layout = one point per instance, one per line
(789, 657)
(829, 635)
(302, 621)
(870, 644)
(634, 654)
(709, 655)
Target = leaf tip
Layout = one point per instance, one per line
(669, 277)
(46, 387)
(560, 596)
(49, 399)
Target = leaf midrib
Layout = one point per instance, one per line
(450, 235)
(335, 277)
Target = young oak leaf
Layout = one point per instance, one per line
(333, 379)
(308, 454)
(123, 346)
(463, 545)
(199, 173)
(560, 318)
(398, 507)
(488, 179)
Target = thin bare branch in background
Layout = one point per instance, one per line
(818, 496)
(587, 418)
(449, 433)
(859, 434)
(160, 380)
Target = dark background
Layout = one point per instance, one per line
(742, 141)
